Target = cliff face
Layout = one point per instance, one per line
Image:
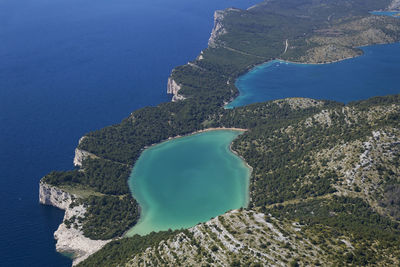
(81, 155)
(53, 196)
(218, 29)
(173, 88)
(69, 237)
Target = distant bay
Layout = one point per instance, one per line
(188, 180)
(372, 74)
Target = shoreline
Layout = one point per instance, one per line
(193, 133)
(248, 167)
(235, 153)
(296, 63)
(252, 68)
(69, 240)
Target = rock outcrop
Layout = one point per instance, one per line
(395, 5)
(237, 234)
(69, 237)
(218, 29)
(173, 88)
(54, 196)
(299, 102)
(81, 155)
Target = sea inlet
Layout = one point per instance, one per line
(375, 73)
(188, 180)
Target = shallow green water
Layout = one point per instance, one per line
(188, 180)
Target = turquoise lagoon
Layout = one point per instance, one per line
(374, 73)
(188, 180)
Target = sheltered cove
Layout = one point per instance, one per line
(267, 81)
(189, 171)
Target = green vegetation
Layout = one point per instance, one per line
(117, 252)
(288, 142)
(391, 200)
(282, 146)
(282, 154)
(109, 216)
(107, 177)
(343, 216)
(59, 178)
(101, 175)
(340, 231)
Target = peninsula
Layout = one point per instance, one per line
(324, 182)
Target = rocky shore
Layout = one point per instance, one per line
(329, 49)
(218, 29)
(69, 237)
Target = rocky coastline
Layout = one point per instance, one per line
(218, 29)
(72, 240)
(69, 239)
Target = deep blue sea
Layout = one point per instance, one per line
(68, 67)
(374, 73)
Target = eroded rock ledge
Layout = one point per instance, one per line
(69, 239)
(218, 29)
(81, 155)
(173, 88)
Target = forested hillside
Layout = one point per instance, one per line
(322, 192)
(337, 162)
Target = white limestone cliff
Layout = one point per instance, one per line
(173, 88)
(70, 239)
(81, 155)
(54, 196)
(218, 29)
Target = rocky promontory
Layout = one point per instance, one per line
(54, 196)
(290, 133)
(173, 88)
(218, 29)
(69, 235)
(70, 239)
